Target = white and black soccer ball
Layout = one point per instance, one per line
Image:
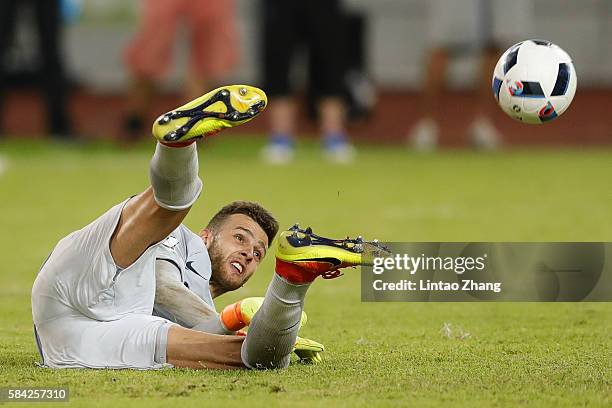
(534, 81)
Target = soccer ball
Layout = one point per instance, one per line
(534, 81)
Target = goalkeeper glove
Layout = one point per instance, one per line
(308, 351)
(238, 315)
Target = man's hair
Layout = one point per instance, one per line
(252, 210)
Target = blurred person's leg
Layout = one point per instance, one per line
(282, 116)
(502, 24)
(147, 59)
(488, 61)
(451, 31)
(8, 20)
(424, 135)
(482, 133)
(213, 43)
(325, 42)
(52, 74)
(279, 40)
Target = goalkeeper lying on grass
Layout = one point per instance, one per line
(135, 288)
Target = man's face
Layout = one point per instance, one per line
(236, 248)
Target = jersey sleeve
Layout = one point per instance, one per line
(173, 259)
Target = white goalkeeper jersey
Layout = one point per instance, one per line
(187, 252)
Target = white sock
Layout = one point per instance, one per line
(273, 330)
(174, 176)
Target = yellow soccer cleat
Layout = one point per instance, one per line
(225, 107)
(302, 256)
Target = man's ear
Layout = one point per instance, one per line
(207, 237)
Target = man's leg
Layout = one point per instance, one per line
(52, 75)
(274, 328)
(268, 344)
(301, 257)
(327, 69)
(194, 349)
(424, 135)
(152, 215)
(147, 58)
(482, 133)
(136, 341)
(8, 21)
(212, 32)
(279, 42)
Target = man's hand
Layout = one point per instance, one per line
(308, 351)
(238, 315)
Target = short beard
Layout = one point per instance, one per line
(216, 263)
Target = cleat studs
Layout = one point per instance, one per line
(224, 92)
(171, 136)
(242, 91)
(164, 119)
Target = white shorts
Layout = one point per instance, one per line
(477, 23)
(89, 313)
(134, 341)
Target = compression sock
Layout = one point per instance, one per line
(273, 330)
(174, 176)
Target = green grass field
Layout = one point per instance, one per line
(378, 354)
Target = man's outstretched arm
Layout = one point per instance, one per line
(177, 300)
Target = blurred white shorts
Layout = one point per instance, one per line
(477, 23)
